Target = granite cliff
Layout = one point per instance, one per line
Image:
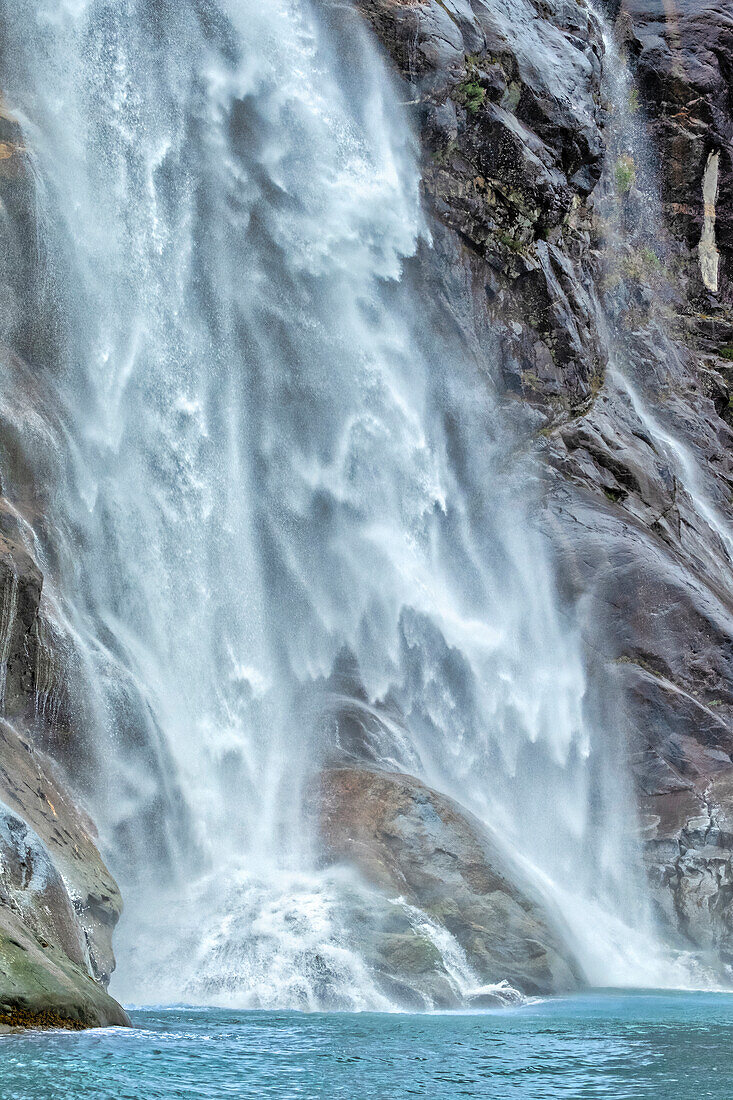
(541, 169)
(58, 902)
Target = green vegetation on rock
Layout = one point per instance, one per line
(471, 95)
(625, 174)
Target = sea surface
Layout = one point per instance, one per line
(667, 1046)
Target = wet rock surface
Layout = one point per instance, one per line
(418, 846)
(58, 902)
(609, 333)
(45, 978)
(689, 850)
(29, 788)
(682, 59)
(509, 107)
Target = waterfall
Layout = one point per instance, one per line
(283, 498)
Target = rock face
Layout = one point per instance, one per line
(29, 789)
(623, 353)
(45, 978)
(690, 847)
(416, 845)
(508, 101)
(58, 902)
(682, 61)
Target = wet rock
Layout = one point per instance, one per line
(513, 125)
(58, 902)
(20, 593)
(416, 845)
(30, 787)
(41, 987)
(508, 103)
(689, 854)
(682, 60)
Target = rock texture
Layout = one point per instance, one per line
(414, 844)
(508, 102)
(682, 59)
(58, 902)
(540, 162)
(690, 852)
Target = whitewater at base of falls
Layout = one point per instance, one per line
(288, 519)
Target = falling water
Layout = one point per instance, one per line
(284, 502)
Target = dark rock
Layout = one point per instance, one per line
(682, 57)
(689, 852)
(508, 101)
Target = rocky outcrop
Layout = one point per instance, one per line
(610, 333)
(415, 845)
(45, 978)
(682, 59)
(29, 788)
(690, 859)
(508, 102)
(58, 902)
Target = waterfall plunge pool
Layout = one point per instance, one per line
(601, 1044)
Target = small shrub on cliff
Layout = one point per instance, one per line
(471, 95)
(650, 258)
(509, 242)
(625, 174)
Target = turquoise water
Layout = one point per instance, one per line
(666, 1046)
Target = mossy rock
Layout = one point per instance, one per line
(40, 987)
(408, 953)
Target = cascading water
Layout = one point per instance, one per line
(287, 502)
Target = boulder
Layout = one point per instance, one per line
(45, 978)
(414, 844)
